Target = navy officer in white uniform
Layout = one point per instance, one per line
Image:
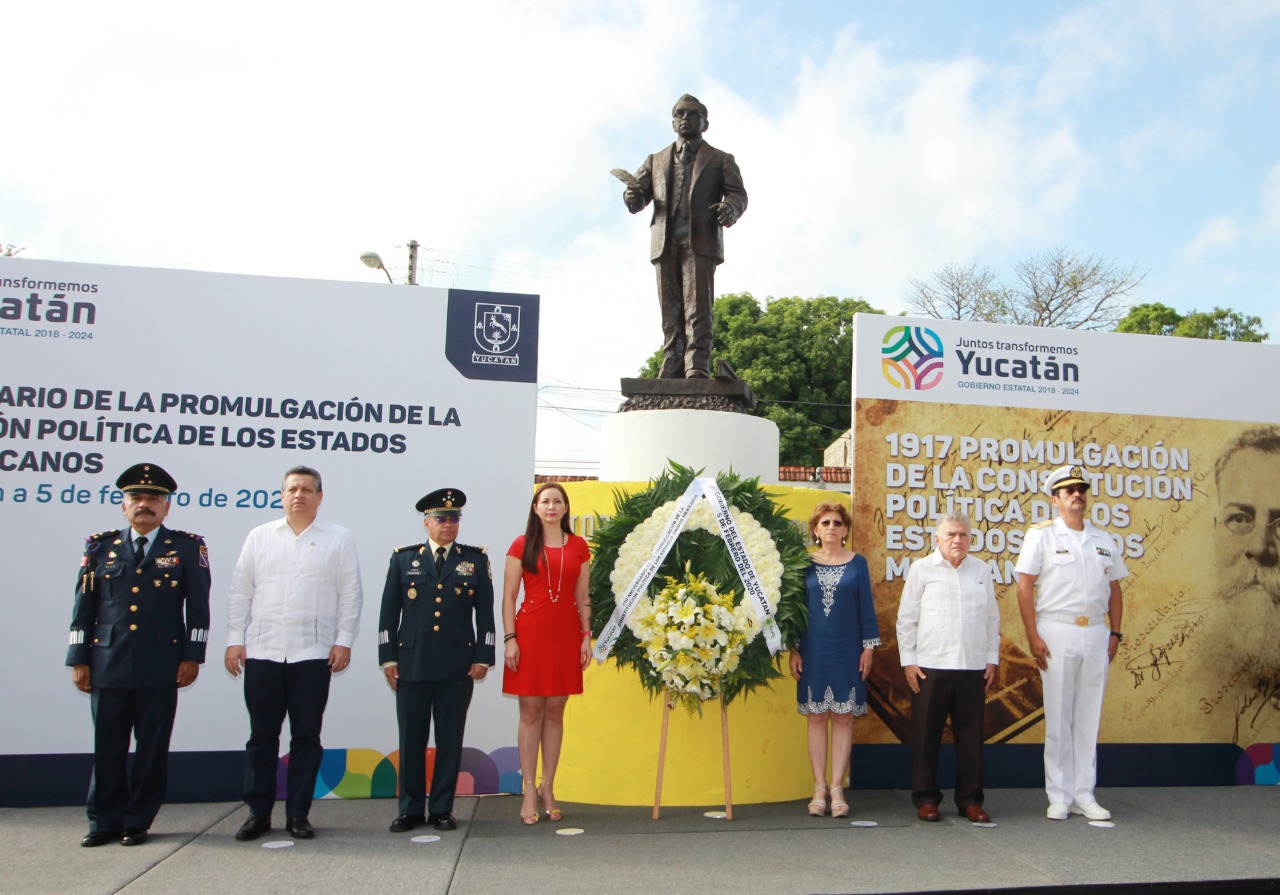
(1069, 575)
(138, 634)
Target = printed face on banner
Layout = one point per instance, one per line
(1249, 516)
(1248, 563)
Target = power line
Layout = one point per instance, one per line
(501, 271)
(530, 264)
(567, 415)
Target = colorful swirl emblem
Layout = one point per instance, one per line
(911, 357)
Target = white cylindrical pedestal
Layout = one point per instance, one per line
(638, 444)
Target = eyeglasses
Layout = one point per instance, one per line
(1239, 523)
(1072, 489)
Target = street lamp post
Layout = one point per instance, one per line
(374, 260)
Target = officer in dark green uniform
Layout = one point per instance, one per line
(138, 633)
(435, 640)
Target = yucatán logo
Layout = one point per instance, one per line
(492, 335)
(911, 357)
(497, 332)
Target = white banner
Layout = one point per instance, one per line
(226, 381)
(957, 362)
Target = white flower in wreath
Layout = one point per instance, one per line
(635, 551)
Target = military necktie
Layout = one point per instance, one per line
(440, 559)
(140, 548)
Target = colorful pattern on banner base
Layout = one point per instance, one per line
(752, 587)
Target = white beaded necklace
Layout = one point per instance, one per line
(546, 561)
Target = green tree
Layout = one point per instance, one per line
(796, 354)
(8, 251)
(1221, 323)
(1058, 287)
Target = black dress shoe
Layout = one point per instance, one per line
(95, 838)
(133, 836)
(443, 822)
(299, 828)
(406, 822)
(252, 828)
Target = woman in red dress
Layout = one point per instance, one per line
(548, 642)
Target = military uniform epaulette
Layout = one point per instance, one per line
(471, 547)
(101, 536)
(1043, 524)
(408, 547)
(187, 534)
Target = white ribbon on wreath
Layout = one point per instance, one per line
(755, 594)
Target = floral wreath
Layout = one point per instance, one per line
(692, 635)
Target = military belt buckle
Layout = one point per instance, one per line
(1083, 621)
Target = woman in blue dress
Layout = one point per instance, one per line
(833, 658)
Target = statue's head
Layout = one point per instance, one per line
(689, 117)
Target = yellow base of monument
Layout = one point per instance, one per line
(610, 754)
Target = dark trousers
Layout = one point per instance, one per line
(686, 287)
(962, 695)
(417, 704)
(118, 799)
(272, 690)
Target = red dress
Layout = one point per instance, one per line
(549, 633)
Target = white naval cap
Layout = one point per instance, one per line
(1060, 478)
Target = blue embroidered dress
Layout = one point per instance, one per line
(842, 622)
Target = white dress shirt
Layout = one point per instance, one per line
(294, 597)
(948, 617)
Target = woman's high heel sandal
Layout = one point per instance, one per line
(530, 819)
(554, 814)
(839, 807)
(818, 806)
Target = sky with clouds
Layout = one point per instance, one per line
(877, 141)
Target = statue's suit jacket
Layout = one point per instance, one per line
(716, 178)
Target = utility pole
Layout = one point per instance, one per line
(413, 262)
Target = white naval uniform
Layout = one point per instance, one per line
(1074, 573)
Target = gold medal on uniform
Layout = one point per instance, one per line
(413, 593)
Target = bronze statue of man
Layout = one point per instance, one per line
(696, 191)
